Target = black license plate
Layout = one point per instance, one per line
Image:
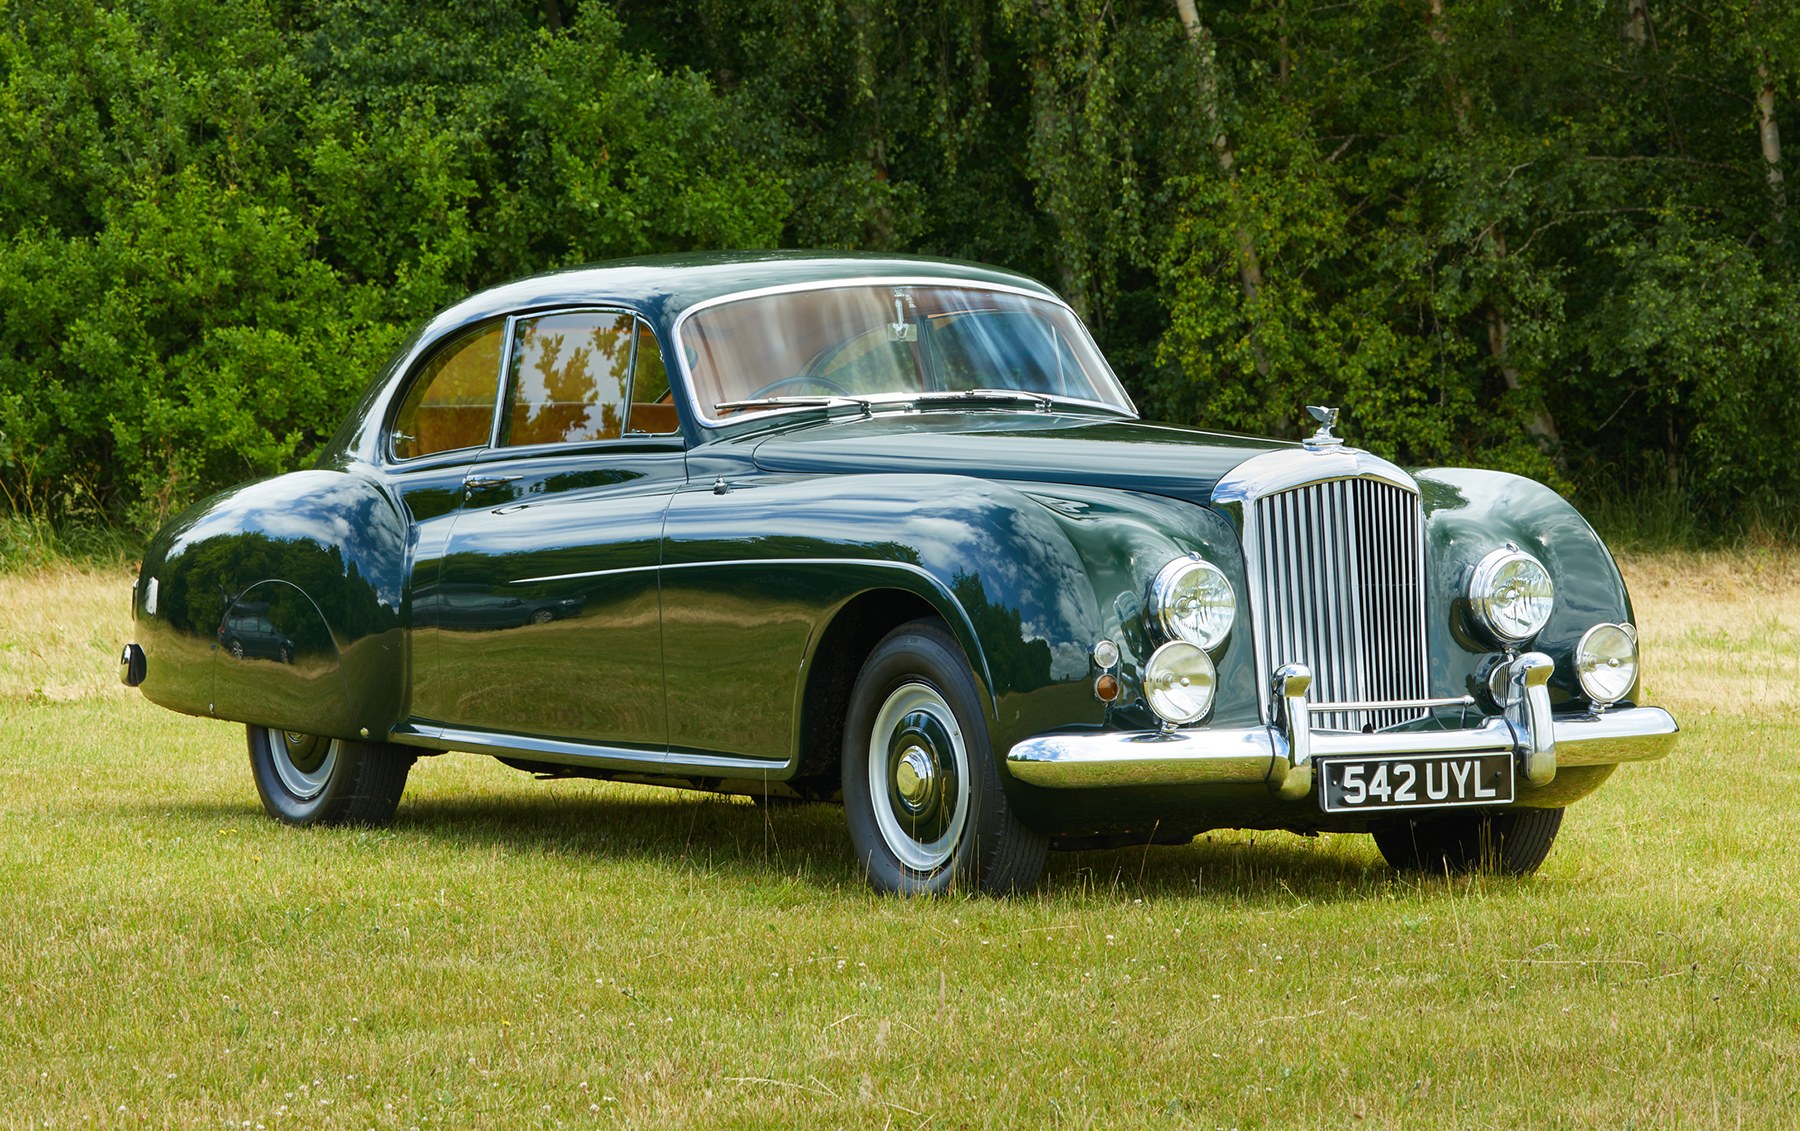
(1415, 781)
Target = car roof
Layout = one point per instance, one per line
(661, 287)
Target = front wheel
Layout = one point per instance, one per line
(308, 780)
(1511, 842)
(922, 793)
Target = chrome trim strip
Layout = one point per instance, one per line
(1272, 472)
(883, 563)
(1045, 295)
(686, 762)
(503, 394)
(1393, 704)
(586, 573)
(1208, 756)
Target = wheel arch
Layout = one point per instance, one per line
(834, 662)
(996, 566)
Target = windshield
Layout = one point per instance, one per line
(890, 342)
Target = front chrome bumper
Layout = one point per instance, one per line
(1283, 753)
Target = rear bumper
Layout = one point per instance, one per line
(1283, 754)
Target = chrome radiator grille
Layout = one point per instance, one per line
(1337, 568)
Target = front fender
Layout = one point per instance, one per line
(1124, 538)
(753, 576)
(1470, 513)
(1027, 577)
(276, 603)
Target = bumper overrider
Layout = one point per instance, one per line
(1284, 753)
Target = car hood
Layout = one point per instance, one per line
(1027, 446)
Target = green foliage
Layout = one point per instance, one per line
(219, 220)
(1548, 238)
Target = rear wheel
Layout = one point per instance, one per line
(308, 780)
(1511, 842)
(922, 794)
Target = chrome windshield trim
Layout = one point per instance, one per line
(685, 373)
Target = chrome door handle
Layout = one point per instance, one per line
(476, 481)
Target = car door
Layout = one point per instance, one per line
(548, 608)
(444, 421)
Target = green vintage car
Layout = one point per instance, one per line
(889, 531)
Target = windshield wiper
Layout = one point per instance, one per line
(1015, 396)
(1043, 402)
(791, 402)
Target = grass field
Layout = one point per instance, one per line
(573, 954)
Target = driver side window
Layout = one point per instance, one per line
(586, 375)
(570, 373)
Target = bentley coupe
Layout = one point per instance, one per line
(889, 532)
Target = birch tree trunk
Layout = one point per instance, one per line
(1250, 275)
(880, 221)
(1539, 424)
(1768, 132)
(1639, 32)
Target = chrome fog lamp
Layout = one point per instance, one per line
(1191, 600)
(1511, 595)
(1607, 662)
(1180, 681)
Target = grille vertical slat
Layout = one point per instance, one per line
(1342, 593)
(1340, 527)
(1324, 531)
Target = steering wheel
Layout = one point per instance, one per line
(803, 379)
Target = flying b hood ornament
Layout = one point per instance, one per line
(1327, 418)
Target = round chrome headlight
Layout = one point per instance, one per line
(1511, 595)
(1607, 662)
(1191, 600)
(1180, 681)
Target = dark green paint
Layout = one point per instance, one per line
(1471, 513)
(658, 603)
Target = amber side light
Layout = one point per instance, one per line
(1106, 688)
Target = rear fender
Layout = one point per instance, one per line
(276, 603)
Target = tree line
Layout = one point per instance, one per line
(1552, 238)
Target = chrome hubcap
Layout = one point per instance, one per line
(915, 778)
(918, 776)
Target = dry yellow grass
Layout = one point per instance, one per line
(1740, 609)
(57, 627)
